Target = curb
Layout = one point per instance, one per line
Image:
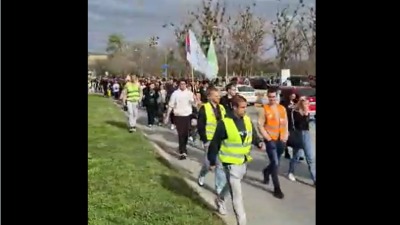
(206, 199)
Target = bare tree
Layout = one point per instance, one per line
(208, 17)
(248, 32)
(282, 30)
(307, 27)
(119, 64)
(203, 21)
(180, 32)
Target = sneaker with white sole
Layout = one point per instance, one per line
(221, 206)
(172, 127)
(200, 181)
(291, 177)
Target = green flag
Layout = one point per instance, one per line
(212, 61)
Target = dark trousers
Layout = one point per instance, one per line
(151, 114)
(182, 124)
(105, 90)
(172, 117)
(274, 152)
(116, 95)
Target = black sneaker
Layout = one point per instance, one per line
(278, 194)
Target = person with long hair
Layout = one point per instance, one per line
(300, 120)
(150, 99)
(131, 96)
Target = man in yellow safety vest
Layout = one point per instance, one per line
(209, 114)
(131, 96)
(232, 142)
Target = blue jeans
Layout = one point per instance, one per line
(274, 152)
(220, 178)
(309, 155)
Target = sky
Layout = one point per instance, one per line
(137, 20)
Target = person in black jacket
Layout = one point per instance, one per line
(150, 102)
(226, 100)
(234, 172)
(289, 105)
(203, 91)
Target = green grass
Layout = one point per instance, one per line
(128, 184)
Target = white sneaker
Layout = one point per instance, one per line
(172, 127)
(190, 139)
(221, 206)
(200, 181)
(291, 177)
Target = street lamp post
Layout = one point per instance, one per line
(226, 31)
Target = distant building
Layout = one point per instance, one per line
(94, 57)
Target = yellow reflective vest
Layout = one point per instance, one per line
(233, 150)
(132, 92)
(211, 123)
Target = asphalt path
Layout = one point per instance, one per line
(260, 159)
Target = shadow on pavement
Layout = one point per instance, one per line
(118, 124)
(206, 186)
(178, 186)
(302, 172)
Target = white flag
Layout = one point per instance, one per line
(195, 55)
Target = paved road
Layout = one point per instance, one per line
(298, 207)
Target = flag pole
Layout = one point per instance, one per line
(192, 73)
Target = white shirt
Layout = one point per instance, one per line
(116, 87)
(181, 102)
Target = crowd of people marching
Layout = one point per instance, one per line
(196, 109)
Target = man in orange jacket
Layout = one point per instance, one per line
(273, 126)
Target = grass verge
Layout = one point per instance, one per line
(127, 184)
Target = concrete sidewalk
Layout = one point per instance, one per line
(297, 208)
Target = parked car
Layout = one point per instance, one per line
(248, 92)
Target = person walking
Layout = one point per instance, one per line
(116, 88)
(226, 100)
(131, 96)
(150, 97)
(300, 123)
(232, 142)
(161, 103)
(181, 103)
(209, 115)
(170, 88)
(289, 104)
(272, 124)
